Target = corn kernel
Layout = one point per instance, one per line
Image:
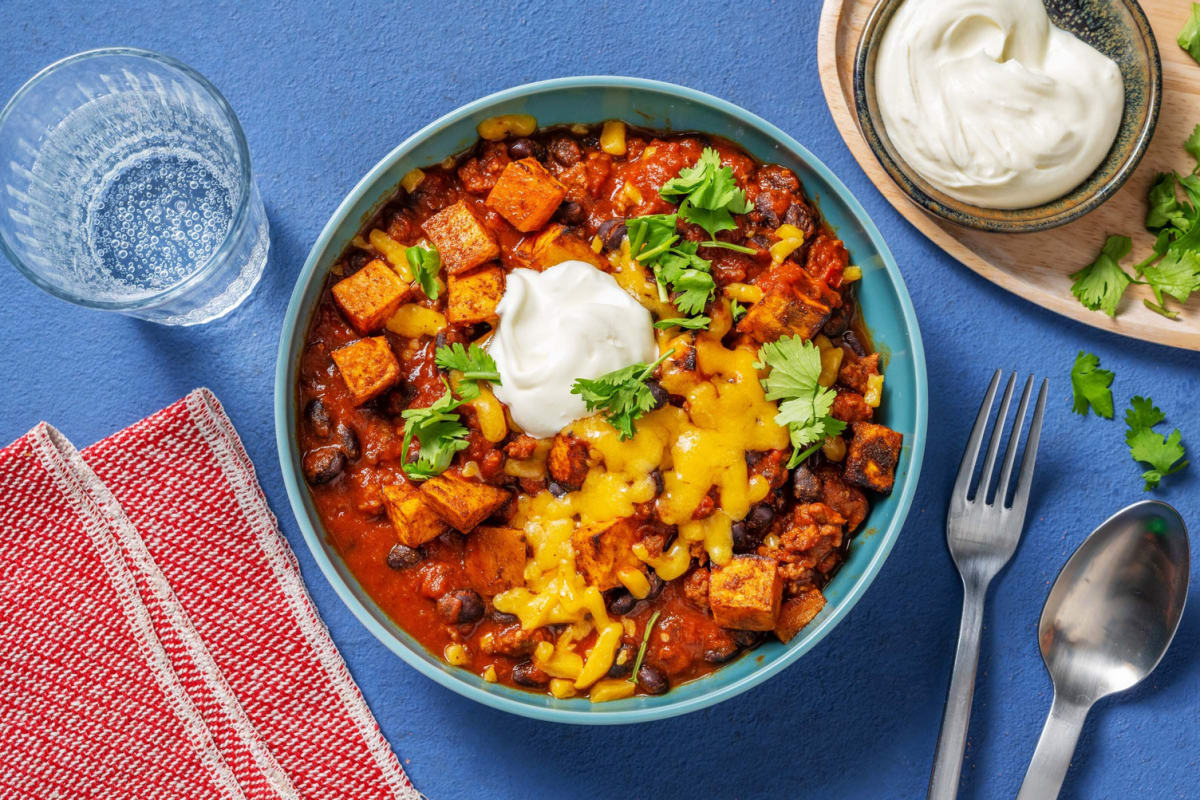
(834, 448)
(649, 151)
(630, 630)
(597, 244)
(413, 320)
(744, 292)
(635, 581)
(633, 194)
(831, 362)
(471, 469)
(490, 415)
(787, 231)
(496, 128)
(874, 393)
(790, 237)
(562, 688)
(611, 689)
(771, 540)
(359, 242)
(412, 179)
(851, 274)
(760, 487)
(579, 129)
(489, 673)
(457, 655)
(394, 252)
(448, 162)
(612, 138)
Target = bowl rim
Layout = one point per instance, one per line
(596, 714)
(875, 134)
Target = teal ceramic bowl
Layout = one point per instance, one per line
(885, 302)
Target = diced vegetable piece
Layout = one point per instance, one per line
(526, 194)
(603, 550)
(473, 297)
(746, 593)
(460, 238)
(783, 312)
(370, 296)
(554, 246)
(462, 503)
(568, 460)
(874, 452)
(368, 367)
(797, 612)
(413, 518)
(495, 559)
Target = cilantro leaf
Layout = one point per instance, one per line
(425, 263)
(1164, 455)
(474, 363)
(1099, 285)
(708, 196)
(1164, 205)
(439, 432)
(694, 289)
(795, 368)
(1090, 385)
(652, 240)
(651, 236)
(691, 323)
(621, 395)
(1177, 274)
(736, 311)
(1189, 37)
(1192, 145)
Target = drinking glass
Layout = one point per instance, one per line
(125, 185)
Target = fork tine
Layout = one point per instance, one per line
(1014, 441)
(985, 477)
(970, 458)
(1025, 478)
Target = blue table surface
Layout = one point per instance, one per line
(324, 91)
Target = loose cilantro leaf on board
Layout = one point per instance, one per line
(425, 263)
(1090, 385)
(621, 395)
(1189, 37)
(795, 367)
(689, 323)
(1099, 285)
(1164, 205)
(1192, 145)
(708, 196)
(439, 432)
(474, 363)
(1164, 455)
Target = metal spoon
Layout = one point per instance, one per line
(1108, 620)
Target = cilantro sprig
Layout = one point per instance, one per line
(641, 653)
(440, 433)
(425, 263)
(708, 196)
(795, 367)
(687, 323)
(1189, 37)
(1090, 386)
(474, 363)
(621, 395)
(1164, 455)
(654, 241)
(1100, 285)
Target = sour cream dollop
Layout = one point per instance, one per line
(993, 104)
(569, 321)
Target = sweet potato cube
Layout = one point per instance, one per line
(604, 550)
(568, 460)
(554, 246)
(798, 611)
(495, 559)
(473, 297)
(783, 312)
(461, 240)
(526, 194)
(461, 502)
(368, 367)
(746, 593)
(412, 517)
(369, 296)
(872, 457)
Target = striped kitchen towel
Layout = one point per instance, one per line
(156, 640)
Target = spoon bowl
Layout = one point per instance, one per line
(1108, 621)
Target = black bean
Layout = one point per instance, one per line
(402, 556)
(763, 205)
(570, 213)
(526, 674)
(660, 394)
(460, 605)
(657, 477)
(622, 666)
(760, 518)
(565, 151)
(504, 619)
(611, 233)
(349, 440)
(619, 601)
(743, 540)
(677, 400)
(806, 486)
(656, 584)
(760, 241)
(323, 465)
(318, 418)
(801, 216)
(689, 361)
(591, 141)
(721, 652)
(653, 680)
(850, 339)
(837, 323)
(439, 341)
(557, 489)
(526, 148)
(745, 639)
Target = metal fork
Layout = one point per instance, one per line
(982, 536)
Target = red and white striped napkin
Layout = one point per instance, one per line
(156, 639)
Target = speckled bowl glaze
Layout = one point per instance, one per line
(882, 294)
(1117, 28)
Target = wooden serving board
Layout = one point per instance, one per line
(1036, 266)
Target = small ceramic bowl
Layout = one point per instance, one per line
(1117, 28)
(882, 295)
